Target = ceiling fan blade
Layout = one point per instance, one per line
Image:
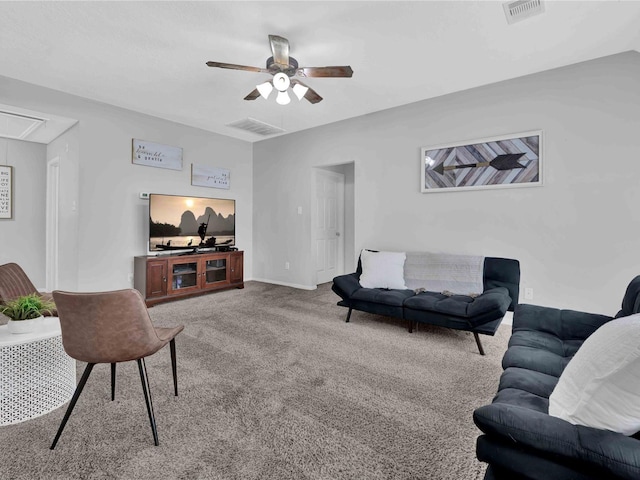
(344, 71)
(253, 95)
(311, 95)
(280, 49)
(232, 66)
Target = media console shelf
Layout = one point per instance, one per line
(172, 277)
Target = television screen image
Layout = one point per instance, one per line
(182, 223)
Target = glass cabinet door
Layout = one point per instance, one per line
(215, 271)
(184, 275)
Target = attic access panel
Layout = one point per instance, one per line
(18, 126)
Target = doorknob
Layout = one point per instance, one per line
(337, 234)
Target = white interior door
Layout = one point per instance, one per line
(329, 228)
(53, 191)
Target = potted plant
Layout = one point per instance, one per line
(25, 311)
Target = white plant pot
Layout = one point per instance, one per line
(23, 326)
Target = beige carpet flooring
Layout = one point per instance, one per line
(274, 385)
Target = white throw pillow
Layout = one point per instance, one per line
(382, 269)
(600, 386)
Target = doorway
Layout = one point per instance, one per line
(333, 211)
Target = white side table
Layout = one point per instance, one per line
(36, 375)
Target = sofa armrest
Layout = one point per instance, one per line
(503, 272)
(608, 451)
(565, 324)
(346, 285)
(494, 299)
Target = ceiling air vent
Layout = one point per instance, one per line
(256, 126)
(522, 9)
(16, 125)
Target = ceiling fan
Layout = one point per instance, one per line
(284, 68)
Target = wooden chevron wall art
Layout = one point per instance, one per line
(500, 162)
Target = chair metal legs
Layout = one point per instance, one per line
(174, 370)
(74, 399)
(144, 378)
(113, 382)
(147, 398)
(147, 390)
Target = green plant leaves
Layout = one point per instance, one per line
(27, 307)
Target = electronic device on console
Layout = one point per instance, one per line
(191, 224)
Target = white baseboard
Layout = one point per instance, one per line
(285, 284)
(508, 319)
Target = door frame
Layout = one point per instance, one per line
(52, 236)
(318, 170)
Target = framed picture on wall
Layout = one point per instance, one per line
(210, 176)
(156, 155)
(499, 162)
(6, 192)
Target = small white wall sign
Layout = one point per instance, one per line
(6, 191)
(156, 155)
(210, 177)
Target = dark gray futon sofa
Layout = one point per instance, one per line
(477, 314)
(520, 440)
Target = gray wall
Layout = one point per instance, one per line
(575, 236)
(110, 219)
(22, 239)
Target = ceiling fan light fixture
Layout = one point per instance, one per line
(281, 82)
(265, 89)
(300, 90)
(284, 68)
(283, 98)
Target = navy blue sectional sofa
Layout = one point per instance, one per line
(477, 314)
(520, 440)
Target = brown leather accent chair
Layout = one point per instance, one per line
(111, 327)
(15, 283)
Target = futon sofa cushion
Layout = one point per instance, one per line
(346, 285)
(530, 381)
(520, 439)
(535, 358)
(494, 300)
(545, 339)
(382, 296)
(607, 455)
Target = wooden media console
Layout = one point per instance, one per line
(171, 277)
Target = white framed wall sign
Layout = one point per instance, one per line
(210, 177)
(156, 155)
(6, 192)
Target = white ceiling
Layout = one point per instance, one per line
(150, 56)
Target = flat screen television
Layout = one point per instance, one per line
(183, 223)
